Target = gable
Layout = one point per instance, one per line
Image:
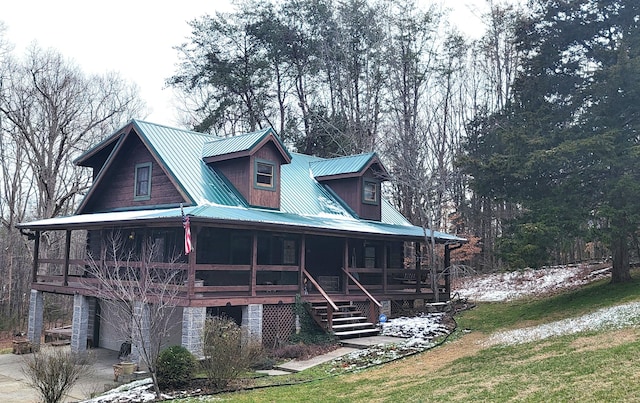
(244, 145)
(116, 187)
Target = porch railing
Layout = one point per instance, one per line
(243, 281)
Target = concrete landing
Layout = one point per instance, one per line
(297, 366)
(365, 342)
(348, 346)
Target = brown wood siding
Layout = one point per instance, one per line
(350, 191)
(261, 197)
(116, 188)
(371, 211)
(237, 172)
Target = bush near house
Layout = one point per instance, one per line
(176, 367)
(225, 356)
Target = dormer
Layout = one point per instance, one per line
(356, 180)
(251, 163)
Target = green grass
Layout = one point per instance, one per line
(586, 367)
(490, 317)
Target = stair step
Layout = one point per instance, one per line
(350, 318)
(353, 325)
(342, 314)
(357, 333)
(323, 311)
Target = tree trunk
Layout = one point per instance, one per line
(620, 248)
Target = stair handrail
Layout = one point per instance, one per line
(361, 287)
(322, 292)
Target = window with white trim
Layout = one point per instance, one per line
(370, 192)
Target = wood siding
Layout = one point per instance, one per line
(240, 172)
(350, 191)
(116, 187)
(262, 197)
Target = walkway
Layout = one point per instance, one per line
(14, 388)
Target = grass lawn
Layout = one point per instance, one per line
(591, 367)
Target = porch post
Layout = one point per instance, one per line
(384, 266)
(254, 263)
(303, 254)
(80, 324)
(36, 318)
(191, 262)
(193, 321)
(251, 324)
(345, 264)
(67, 252)
(36, 256)
(418, 267)
(447, 273)
(141, 337)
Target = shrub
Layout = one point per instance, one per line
(175, 367)
(225, 356)
(53, 373)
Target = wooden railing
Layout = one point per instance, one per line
(320, 289)
(364, 290)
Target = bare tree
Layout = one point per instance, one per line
(141, 293)
(50, 112)
(55, 112)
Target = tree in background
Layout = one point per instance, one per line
(50, 112)
(313, 69)
(566, 147)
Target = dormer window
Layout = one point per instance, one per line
(265, 177)
(142, 182)
(370, 193)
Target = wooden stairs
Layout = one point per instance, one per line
(345, 323)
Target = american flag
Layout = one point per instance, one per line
(187, 232)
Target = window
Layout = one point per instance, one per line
(370, 192)
(142, 184)
(369, 257)
(265, 175)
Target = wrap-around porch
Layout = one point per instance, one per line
(236, 266)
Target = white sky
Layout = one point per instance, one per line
(133, 37)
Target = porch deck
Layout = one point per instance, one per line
(244, 287)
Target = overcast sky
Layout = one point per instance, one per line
(133, 37)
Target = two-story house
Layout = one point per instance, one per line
(267, 226)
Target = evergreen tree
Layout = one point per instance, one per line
(567, 147)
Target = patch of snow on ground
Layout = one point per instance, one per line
(418, 334)
(417, 330)
(137, 391)
(513, 285)
(607, 318)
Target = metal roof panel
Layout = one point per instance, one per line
(341, 165)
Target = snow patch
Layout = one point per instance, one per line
(518, 284)
(616, 317)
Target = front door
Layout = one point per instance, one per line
(324, 259)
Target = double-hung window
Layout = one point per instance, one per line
(370, 192)
(265, 175)
(142, 182)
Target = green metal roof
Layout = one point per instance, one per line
(228, 145)
(342, 165)
(235, 144)
(305, 202)
(181, 153)
(251, 216)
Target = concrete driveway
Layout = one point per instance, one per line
(14, 389)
